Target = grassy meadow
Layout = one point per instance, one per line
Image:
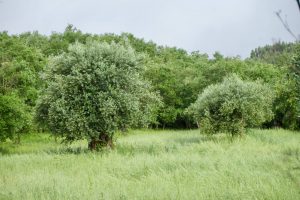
(155, 164)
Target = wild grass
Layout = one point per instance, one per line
(148, 164)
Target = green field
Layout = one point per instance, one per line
(148, 164)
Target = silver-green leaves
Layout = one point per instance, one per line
(94, 90)
(232, 106)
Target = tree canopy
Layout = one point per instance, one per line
(94, 90)
(171, 74)
(232, 106)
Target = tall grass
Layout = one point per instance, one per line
(149, 164)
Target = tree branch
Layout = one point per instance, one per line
(285, 24)
(298, 2)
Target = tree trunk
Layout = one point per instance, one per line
(104, 140)
(92, 144)
(18, 139)
(198, 124)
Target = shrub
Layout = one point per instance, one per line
(232, 106)
(94, 90)
(14, 117)
(20, 66)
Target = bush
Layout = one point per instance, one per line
(232, 106)
(20, 66)
(93, 91)
(14, 117)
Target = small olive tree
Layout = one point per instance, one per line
(232, 106)
(94, 90)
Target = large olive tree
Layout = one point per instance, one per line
(94, 90)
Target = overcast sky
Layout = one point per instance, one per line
(232, 27)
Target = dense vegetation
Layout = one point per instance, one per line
(20, 65)
(173, 77)
(232, 106)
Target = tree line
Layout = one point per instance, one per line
(49, 82)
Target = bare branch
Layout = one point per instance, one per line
(298, 2)
(286, 25)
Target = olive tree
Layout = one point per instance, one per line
(92, 91)
(232, 105)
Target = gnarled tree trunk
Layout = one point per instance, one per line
(104, 140)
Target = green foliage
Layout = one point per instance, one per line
(293, 90)
(232, 106)
(283, 84)
(35, 40)
(247, 70)
(20, 66)
(286, 104)
(93, 91)
(14, 117)
(278, 54)
(286, 57)
(56, 43)
(178, 76)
